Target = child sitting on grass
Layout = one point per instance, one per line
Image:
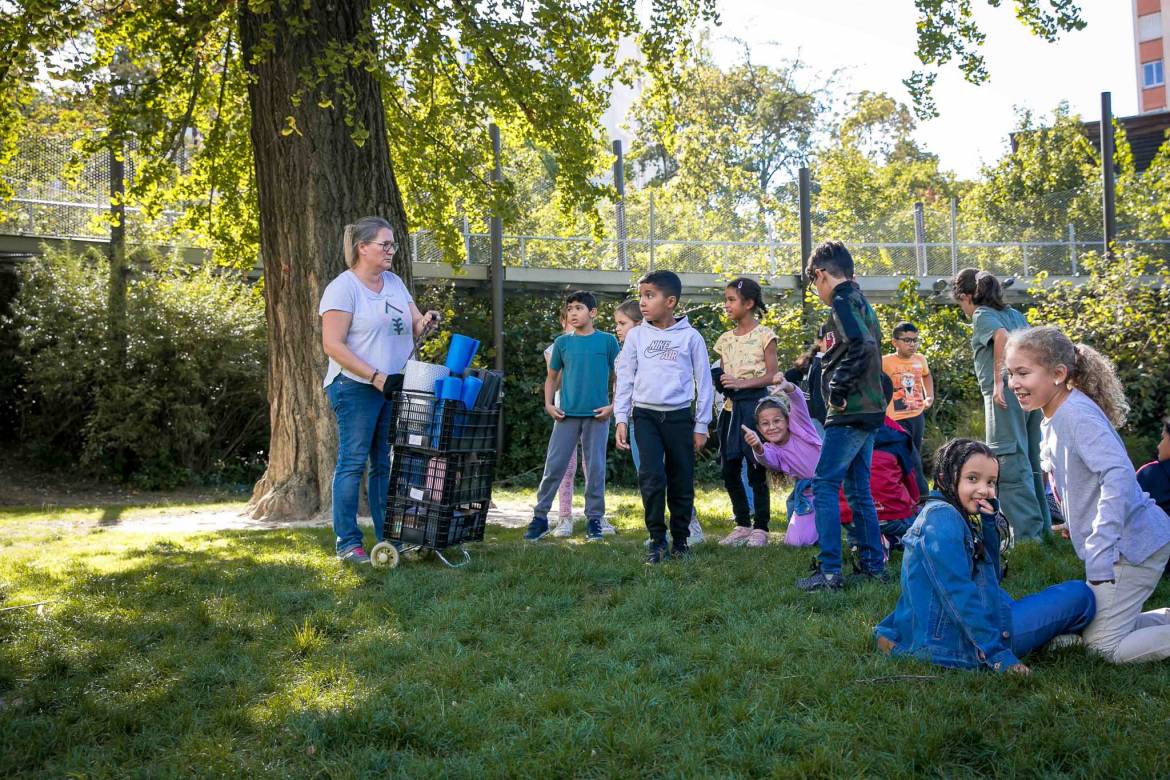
(952, 610)
(788, 443)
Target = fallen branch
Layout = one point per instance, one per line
(25, 606)
(897, 678)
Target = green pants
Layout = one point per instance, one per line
(1015, 437)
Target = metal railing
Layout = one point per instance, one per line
(85, 221)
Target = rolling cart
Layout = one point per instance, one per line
(440, 479)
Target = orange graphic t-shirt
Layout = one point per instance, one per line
(909, 384)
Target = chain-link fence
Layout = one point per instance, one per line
(61, 192)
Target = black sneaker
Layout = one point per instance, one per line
(681, 553)
(656, 553)
(818, 580)
(537, 529)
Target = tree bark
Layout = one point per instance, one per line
(310, 183)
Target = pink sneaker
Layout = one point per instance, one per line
(758, 538)
(737, 537)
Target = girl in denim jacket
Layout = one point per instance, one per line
(952, 610)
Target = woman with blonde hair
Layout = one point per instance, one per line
(369, 322)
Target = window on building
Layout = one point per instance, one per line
(1149, 27)
(1152, 74)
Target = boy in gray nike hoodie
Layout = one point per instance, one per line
(662, 374)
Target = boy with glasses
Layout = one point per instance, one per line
(913, 390)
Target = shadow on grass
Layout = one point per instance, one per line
(248, 653)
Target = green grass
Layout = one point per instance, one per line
(255, 653)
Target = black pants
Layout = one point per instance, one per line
(666, 476)
(757, 480)
(916, 427)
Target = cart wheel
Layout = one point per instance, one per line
(384, 556)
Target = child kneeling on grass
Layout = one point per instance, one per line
(788, 443)
(1116, 528)
(952, 610)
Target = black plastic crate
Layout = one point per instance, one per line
(444, 478)
(434, 526)
(422, 421)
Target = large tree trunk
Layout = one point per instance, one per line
(311, 183)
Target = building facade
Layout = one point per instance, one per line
(1151, 30)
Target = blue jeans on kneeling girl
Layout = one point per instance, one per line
(363, 435)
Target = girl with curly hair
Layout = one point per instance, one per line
(1117, 529)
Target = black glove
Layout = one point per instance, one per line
(393, 385)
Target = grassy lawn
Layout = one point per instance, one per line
(256, 654)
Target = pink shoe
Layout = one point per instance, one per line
(758, 538)
(737, 537)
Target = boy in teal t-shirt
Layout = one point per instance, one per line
(582, 365)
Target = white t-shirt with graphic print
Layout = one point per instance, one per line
(381, 331)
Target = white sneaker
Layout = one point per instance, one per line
(564, 529)
(695, 531)
(607, 528)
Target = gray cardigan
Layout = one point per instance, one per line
(1108, 513)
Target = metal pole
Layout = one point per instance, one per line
(1109, 195)
(1024, 251)
(920, 238)
(954, 236)
(497, 273)
(1072, 248)
(804, 202)
(466, 238)
(619, 181)
(651, 230)
(414, 247)
(771, 251)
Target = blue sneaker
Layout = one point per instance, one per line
(537, 529)
(593, 530)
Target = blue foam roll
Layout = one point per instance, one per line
(452, 389)
(471, 387)
(460, 352)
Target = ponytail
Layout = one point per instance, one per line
(1096, 376)
(983, 287)
(1088, 370)
(750, 290)
(365, 229)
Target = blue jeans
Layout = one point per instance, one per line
(363, 434)
(1061, 609)
(845, 457)
(747, 488)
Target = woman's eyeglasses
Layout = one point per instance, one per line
(389, 247)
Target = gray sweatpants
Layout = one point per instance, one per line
(594, 436)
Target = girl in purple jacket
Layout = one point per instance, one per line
(789, 443)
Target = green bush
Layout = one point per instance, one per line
(187, 402)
